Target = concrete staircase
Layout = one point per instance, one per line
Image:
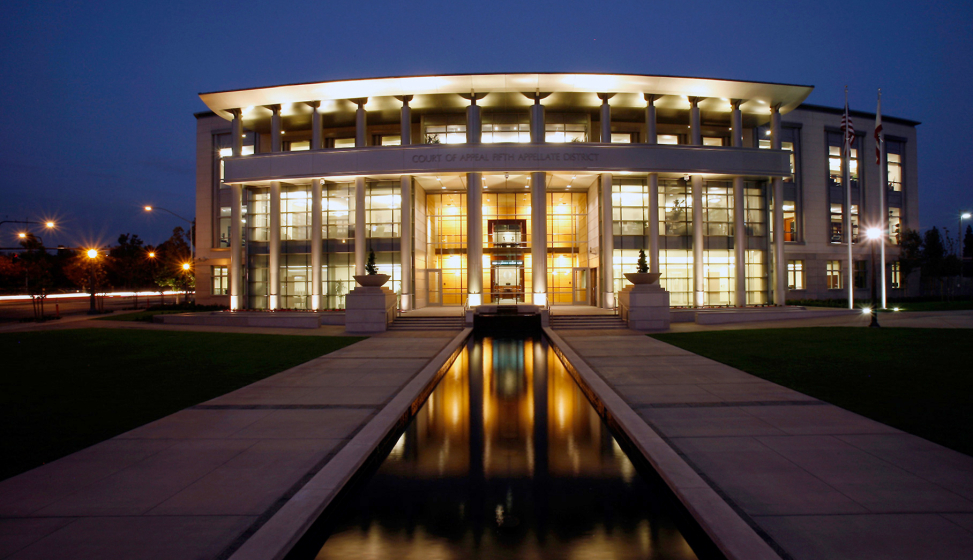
(589, 322)
(407, 323)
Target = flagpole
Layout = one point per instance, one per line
(846, 165)
(883, 187)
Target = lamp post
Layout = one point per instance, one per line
(92, 255)
(959, 246)
(192, 236)
(874, 236)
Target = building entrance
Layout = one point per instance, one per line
(506, 248)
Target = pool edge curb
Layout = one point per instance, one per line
(280, 533)
(731, 534)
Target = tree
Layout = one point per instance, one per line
(170, 255)
(87, 273)
(642, 264)
(371, 268)
(11, 274)
(910, 254)
(933, 256)
(130, 266)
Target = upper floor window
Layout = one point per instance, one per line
(712, 141)
(389, 140)
(344, 142)
(297, 146)
(894, 171)
(835, 160)
(621, 138)
(566, 127)
(667, 139)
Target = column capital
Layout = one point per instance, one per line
(237, 113)
(273, 108)
(775, 109)
(313, 104)
(650, 99)
(694, 101)
(536, 95)
(473, 97)
(735, 103)
(360, 101)
(605, 97)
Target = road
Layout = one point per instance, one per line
(17, 310)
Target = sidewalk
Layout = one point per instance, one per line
(813, 480)
(201, 482)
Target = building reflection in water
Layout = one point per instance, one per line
(507, 459)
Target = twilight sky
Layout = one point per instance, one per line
(98, 98)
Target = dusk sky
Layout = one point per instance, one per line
(98, 97)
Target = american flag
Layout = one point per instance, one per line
(878, 130)
(848, 129)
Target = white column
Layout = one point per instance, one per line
(538, 133)
(736, 134)
(473, 123)
(651, 136)
(654, 264)
(606, 117)
(316, 217)
(739, 212)
(315, 125)
(360, 240)
(275, 128)
(739, 241)
(607, 243)
(316, 244)
(780, 264)
(405, 243)
(695, 133)
(361, 124)
(699, 282)
(273, 264)
(405, 128)
(474, 238)
(236, 219)
(538, 237)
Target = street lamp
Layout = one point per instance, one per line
(192, 232)
(874, 236)
(92, 254)
(959, 245)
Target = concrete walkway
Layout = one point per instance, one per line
(813, 480)
(201, 482)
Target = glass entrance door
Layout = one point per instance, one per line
(434, 280)
(581, 290)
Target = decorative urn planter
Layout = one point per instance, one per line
(639, 278)
(371, 280)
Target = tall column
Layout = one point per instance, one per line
(275, 128)
(654, 265)
(473, 123)
(361, 123)
(695, 133)
(316, 218)
(405, 127)
(474, 237)
(607, 243)
(736, 123)
(739, 212)
(273, 264)
(538, 132)
(316, 245)
(405, 244)
(739, 242)
(780, 264)
(538, 237)
(315, 125)
(360, 240)
(651, 136)
(699, 282)
(236, 220)
(606, 117)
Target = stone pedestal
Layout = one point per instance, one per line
(645, 307)
(369, 310)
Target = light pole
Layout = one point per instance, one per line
(959, 246)
(92, 255)
(192, 236)
(874, 236)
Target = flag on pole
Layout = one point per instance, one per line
(879, 139)
(848, 129)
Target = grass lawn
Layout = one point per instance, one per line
(61, 391)
(143, 316)
(917, 380)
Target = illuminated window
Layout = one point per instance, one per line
(712, 141)
(566, 127)
(297, 146)
(501, 128)
(835, 169)
(295, 213)
(667, 139)
(896, 275)
(344, 142)
(621, 138)
(790, 221)
(295, 281)
(220, 280)
(755, 216)
(445, 129)
(718, 208)
(894, 171)
(837, 223)
(258, 215)
(795, 275)
(224, 228)
(390, 140)
(833, 274)
(895, 225)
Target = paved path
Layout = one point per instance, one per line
(199, 483)
(816, 481)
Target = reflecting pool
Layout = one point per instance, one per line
(506, 459)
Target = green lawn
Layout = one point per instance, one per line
(61, 391)
(917, 380)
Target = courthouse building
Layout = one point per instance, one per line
(539, 188)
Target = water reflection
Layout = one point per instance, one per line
(507, 459)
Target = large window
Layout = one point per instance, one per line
(894, 172)
(445, 129)
(505, 128)
(630, 205)
(567, 243)
(795, 275)
(861, 274)
(895, 225)
(566, 127)
(835, 163)
(838, 223)
(446, 236)
(833, 272)
(718, 208)
(295, 213)
(220, 280)
(896, 275)
(258, 216)
(295, 281)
